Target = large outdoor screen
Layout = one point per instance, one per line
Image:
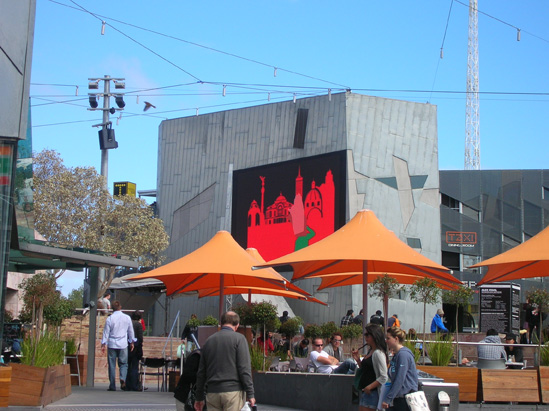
(283, 207)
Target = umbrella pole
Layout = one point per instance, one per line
(221, 299)
(364, 298)
(249, 297)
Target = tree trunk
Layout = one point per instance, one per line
(385, 310)
(424, 334)
(457, 335)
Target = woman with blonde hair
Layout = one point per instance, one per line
(402, 371)
(373, 367)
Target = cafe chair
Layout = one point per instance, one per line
(154, 367)
(486, 364)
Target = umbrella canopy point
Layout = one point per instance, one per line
(526, 260)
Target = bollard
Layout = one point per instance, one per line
(443, 401)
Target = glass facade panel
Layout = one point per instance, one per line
(532, 218)
(512, 222)
(491, 211)
(511, 180)
(491, 243)
(531, 183)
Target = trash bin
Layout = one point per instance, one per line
(432, 390)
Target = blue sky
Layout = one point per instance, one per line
(363, 45)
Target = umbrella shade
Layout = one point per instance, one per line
(526, 260)
(219, 259)
(361, 246)
(362, 243)
(340, 280)
(260, 291)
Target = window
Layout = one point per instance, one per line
(449, 202)
(414, 242)
(470, 212)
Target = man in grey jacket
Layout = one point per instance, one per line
(225, 368)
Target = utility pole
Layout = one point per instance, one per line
(107, 140)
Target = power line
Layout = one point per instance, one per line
(275, 68)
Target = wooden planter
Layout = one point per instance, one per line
(83, 364)
(38, 387)
(510, 385)
(544, 383)
(466, 377)
(5, 381)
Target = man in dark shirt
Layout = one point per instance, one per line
(225, 367)
(377, 318)
(347, 319)
(511, 338)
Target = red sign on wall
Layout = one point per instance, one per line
(461, 237)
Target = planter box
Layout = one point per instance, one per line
(510, 385)
(466, 377)
(5, 380)
(305, 391)
(83, 365)
(38, 387)
(544, 383)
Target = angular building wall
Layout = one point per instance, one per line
(392, 168)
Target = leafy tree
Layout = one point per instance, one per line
(459, 297)
(291, 327)
(539, 297)
(351, 332)
(426, 291)
(327, 329)
(76, 297)
(385, 287)
(59, 309)
(210, 320)
(312, 331)
(72, 207)
(39, 291)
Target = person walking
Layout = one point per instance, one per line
(116, 335)
(134, 356)
(373, 367)
(225, 368)
(347, 319)
(402, 371)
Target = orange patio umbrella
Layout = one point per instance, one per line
(363, 245)
(341, 280)
(219, 263)
(259, 291)
(526, 260)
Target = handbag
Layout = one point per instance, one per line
(356, 381)
(417, 401)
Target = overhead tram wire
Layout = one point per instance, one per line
(441, 49)
(191, 43)
(503, 22)
(137, 42)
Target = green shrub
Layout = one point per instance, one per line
(257, 357)
(327, 329)
(544, 354)
(440, 351)
(350, 333)
(312, 331)
(291, 327)
(70, 347)
(416, 351)
(210, 320)
(48, 350)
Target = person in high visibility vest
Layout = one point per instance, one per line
(393, 321)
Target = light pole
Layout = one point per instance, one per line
(107, 140)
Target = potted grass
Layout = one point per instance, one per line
(440, 352)
(41, 378)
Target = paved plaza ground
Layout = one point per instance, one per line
(98, 398)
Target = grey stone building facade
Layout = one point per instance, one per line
(391, 167)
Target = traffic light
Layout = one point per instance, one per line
(106, 139)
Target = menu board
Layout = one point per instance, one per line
(500, 308)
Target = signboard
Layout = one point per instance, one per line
(500, 308)
(461, 238)
(124, 188)
(283, 207)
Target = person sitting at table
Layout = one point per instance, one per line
(488, 350)
(326, 364)
(300, 349)
(334, 348)
(516, 352)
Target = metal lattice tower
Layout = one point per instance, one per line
(472, 135)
